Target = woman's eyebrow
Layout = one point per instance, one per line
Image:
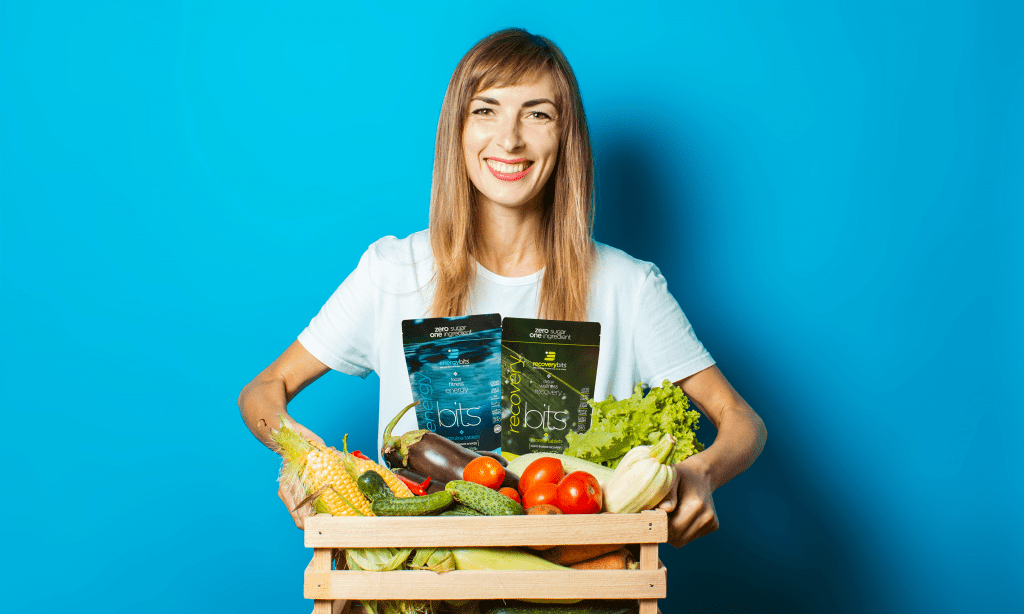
(528, 103)
(533, 103)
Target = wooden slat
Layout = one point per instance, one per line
(649, 527)
(648, 556)
(648, 606)
(321, 563)
(593, 584)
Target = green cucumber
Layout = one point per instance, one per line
(590, 606)
(413, 506)
(461, 510)
(373, 486)
(483, 499)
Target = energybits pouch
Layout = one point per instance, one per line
(548, 370)
(455, 372)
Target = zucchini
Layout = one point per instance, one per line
(519, 464)
(483, 499)
(590, 606)
(373, 486)
(412, 506)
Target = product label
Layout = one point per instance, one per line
(455, 373)
(548, 370)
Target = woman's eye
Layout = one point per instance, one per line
(483, 111)
(538, 115)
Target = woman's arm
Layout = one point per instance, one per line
(741, 437)
(267, 396)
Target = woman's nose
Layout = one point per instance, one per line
(510, 137)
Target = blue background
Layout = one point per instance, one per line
(834, 191)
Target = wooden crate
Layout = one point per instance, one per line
(333, 591)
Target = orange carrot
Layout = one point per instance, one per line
(567, 555)
(620, 559)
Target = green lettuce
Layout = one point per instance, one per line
(616, 427)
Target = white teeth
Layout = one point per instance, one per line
(507, 169)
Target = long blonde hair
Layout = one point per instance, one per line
(510, 57)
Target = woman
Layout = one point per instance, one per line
(510, 226)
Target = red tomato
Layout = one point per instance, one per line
(484, 471)
(541, 493)
(544, 470)
(511, 493)
(579, 493)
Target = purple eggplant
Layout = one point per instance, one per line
(430, 454)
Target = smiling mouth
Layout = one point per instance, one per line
(509, 170)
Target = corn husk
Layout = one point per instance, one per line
(438, 560)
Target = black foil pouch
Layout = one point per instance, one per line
(548, 370)
(455, 370)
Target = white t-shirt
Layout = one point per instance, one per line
(644, 335)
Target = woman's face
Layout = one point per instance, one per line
(510, 142)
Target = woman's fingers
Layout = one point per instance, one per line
(705, 523)
(695, 517)
(298, 516)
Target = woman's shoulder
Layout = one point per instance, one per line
(400, 265)
(616, 264)
(408, 251)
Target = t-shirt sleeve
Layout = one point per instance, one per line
(342, 335)
(665, 345)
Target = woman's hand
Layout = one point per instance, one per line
(689, 504)
(293, 495)
(741, 437)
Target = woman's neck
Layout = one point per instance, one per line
(508, 239)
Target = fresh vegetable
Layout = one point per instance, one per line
(384, 559)
(483, 499)
(620, 559)
(589, 606)
(318, 475)
(511, 494)
(574, 553)
(484, 471)
(426, 483)
(413, 506)
(616, 427)
(430, 454)
(483, 559)
(543, 509)
(579, 493)
(642, 478)
(359, 464)
(495, 455)
(373, 486)
(544, 470)
(461, 510)
(541, 494)
(501, 559)
(519, 464)
(433, 559)
(417, 489)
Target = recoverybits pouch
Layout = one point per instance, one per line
(455, 372)
(548, 371)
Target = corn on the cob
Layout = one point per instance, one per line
(341, 495)
(397, 486)
(313, 471)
